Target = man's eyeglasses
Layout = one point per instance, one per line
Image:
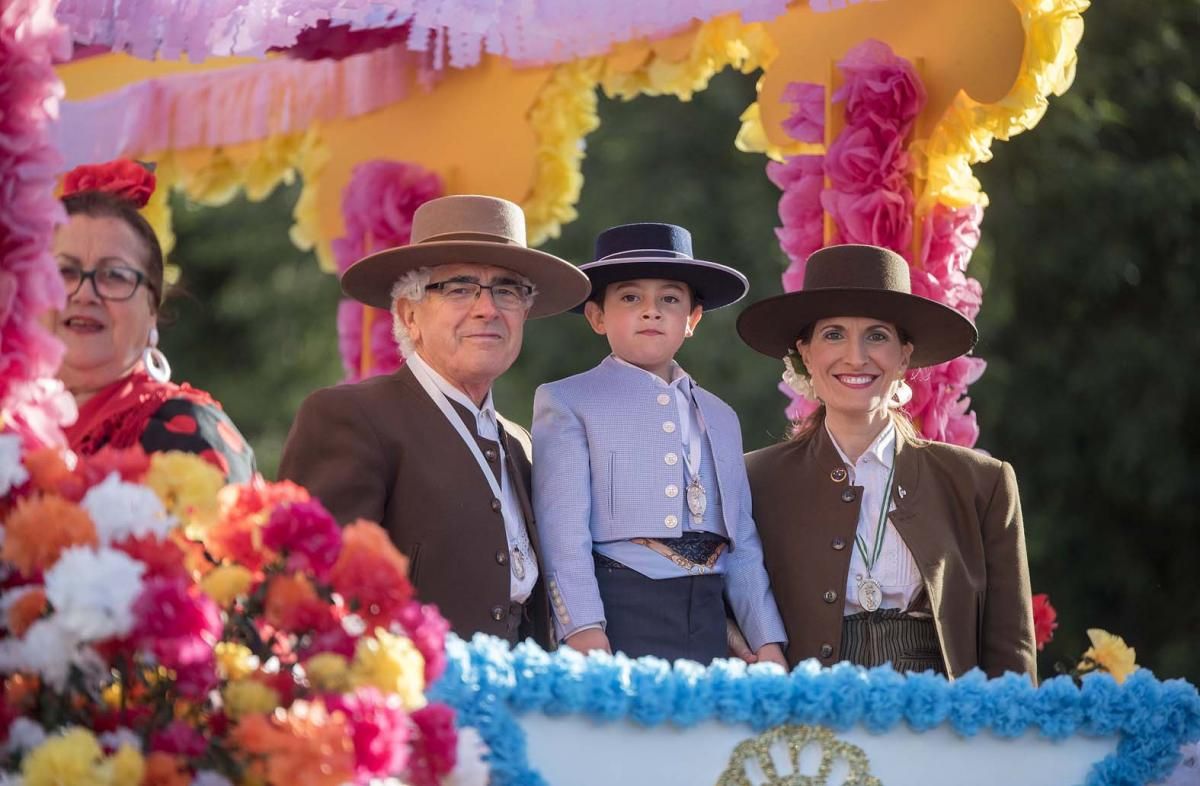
(506, 296)
(109, 283)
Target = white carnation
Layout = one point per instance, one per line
(210, 778)
(12, 471)
(121, 509)
(11, 779)
(24, 735)
(92, 591)
(120, 737)
(47, 649)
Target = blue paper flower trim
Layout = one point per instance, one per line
(486, 684)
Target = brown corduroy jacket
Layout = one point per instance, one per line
(382, 450)
(960, 516)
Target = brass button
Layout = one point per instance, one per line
(671, 459)
(830, 596)
(497, 613)
(669, 426)
(672, 491)
(664, 399)
(848, 495)
(838, 474)
(490, 454)
(671, 521)
(501, 557)
(495, 504)
(826, 650)
(838, 544)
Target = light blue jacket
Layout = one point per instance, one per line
(599, 474)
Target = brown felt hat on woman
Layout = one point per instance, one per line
(858, 281)
(469, 229)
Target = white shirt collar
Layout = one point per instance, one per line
(488, 410)
(679, 377)
(881, 448)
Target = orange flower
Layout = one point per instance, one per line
(293, 605)
(163, 769)
(39, 529)
(304, 747)
(49, 473)
(371, 574)
(26, 610)
(237, 534)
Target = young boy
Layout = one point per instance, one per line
(639, 488)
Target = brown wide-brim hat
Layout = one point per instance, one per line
(858, 281)
(469, 229)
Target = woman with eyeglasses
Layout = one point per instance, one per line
(112, 271)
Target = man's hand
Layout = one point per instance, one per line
(588, 640)
(772, 653)
(738, 648)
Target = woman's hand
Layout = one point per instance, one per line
(589, 640)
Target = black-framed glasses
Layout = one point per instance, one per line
(115, 282)
(507, 295)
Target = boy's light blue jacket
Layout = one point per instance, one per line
(600, 441)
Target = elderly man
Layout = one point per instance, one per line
(423, 451)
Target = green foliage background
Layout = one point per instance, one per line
(1089, 322)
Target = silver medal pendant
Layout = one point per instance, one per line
(518, 564)
(870, 594)
(697, 500)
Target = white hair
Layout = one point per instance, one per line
(411, 287)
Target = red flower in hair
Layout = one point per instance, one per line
(126, 179)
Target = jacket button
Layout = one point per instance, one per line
(671, 521)
(497, 613)
(830, 596)
(495, 505)
(664, 399)
(669, 426)
(838, 474)
(826, 650)
(838, 544)
(501, 557)
(848, 495)
(490, 454)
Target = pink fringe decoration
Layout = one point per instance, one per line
(377, 207)
(32, 403)
(460, 30)
(233, 105)
(871, 202)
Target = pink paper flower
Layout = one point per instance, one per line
(807, 121)
(427, 629)
(379, 727)
(378, 206)
(866, 159)
(178, 625)
(385, 354)
(307, 534)
(880, 89)
(878, 218)
(801, 178)
(939, 403)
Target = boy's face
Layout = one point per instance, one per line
(645, 321)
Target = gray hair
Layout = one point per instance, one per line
(411, 287)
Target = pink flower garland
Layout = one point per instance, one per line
(377, 207)
(871, 202)
(31, 402)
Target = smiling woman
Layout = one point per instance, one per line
(112, 270)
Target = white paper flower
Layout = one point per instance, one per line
(11, 779)
(24, 735)
(12, 471)
(210, 778)
(92, 591)
(471, 768)
(120, 737)
(121, 509)
(47, 649)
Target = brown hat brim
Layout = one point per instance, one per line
(938, 332)
(561, 286)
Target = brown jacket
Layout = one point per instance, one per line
(382, 450)
(960, 517)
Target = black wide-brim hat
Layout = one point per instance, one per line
(858, 281)
(651, 250)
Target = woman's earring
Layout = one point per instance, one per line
(901, 395)
(154, 360)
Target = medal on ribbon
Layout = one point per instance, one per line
(870, 591)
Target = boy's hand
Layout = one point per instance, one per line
(772, 653)
(588, 640)
(738, 648)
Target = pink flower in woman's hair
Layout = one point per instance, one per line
(307, 534)
(379, 728)
(807, 121)
(435, 750)
(879, 88)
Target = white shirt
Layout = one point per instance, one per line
(487, 427)
(896, 570)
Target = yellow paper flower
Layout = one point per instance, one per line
(70, 759)
(1110, 653)
(235, 661)
(186, 484)
(124, 767)
(393, 665)
(328, 671)
(249, 697)
(226, 583)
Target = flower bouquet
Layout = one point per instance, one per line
(160, 629)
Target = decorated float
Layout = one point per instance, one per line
(159, 629)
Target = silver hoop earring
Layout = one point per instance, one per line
(901, 396)
(154, 360)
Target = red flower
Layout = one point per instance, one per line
(126, 179)
(178, 738)
(307, 534)
(371, 574)
(1044, 619)
(380, 730)
(435, 750)
(162, 558)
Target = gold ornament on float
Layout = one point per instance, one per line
(792, 740)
